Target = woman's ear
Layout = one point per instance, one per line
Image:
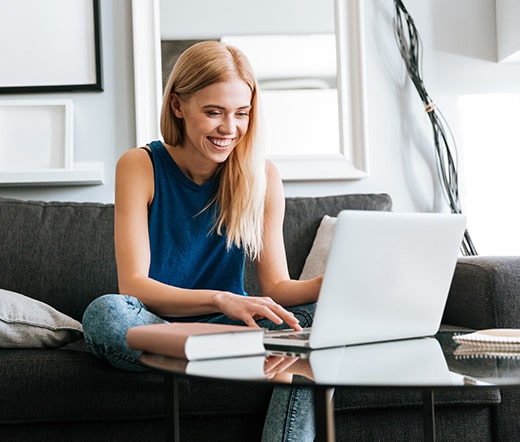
(175, 105)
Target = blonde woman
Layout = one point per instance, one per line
(189, 210)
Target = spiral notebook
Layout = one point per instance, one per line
(490, 343)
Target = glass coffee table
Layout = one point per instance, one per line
(427, 364)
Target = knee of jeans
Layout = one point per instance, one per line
(98, 308)
(110, 315)
(105, 323)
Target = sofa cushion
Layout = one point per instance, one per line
(316, 260)
(28, 323)
(60, 253)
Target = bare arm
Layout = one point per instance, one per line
(134, 193)
(272, 268)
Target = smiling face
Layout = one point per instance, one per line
(215, 120)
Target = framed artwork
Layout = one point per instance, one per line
(50, 46)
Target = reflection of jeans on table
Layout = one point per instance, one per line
(105, 323)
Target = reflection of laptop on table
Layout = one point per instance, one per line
(410, 362)
(387, 277)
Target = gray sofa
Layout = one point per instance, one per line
(62, 254)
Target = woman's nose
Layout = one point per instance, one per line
(228, 125)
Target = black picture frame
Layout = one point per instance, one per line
(95, 75)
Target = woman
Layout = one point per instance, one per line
(189, 210)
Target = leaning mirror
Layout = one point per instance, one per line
(308, 58)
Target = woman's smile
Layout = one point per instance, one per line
(221, 143)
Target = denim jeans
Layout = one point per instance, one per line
(105, 323)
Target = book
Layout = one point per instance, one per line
(496, 339)
(197, 340)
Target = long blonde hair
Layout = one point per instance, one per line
(241, 194)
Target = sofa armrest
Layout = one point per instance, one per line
(485, 293)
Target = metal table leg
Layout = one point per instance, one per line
(324, 414)
(171, 408)
(428, 415)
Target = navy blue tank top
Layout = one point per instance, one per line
(183, 251)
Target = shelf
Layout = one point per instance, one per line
(81, 174)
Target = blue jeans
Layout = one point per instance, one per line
(106, 320)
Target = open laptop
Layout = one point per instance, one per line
(387, 277)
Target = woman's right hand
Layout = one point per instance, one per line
(249, 309)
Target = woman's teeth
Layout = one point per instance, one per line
(221, 142)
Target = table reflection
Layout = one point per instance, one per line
(430, 362)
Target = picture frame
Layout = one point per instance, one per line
(43, 155)
(51, 46)
(47, 142)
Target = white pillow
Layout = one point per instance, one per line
(317, 258)
(28, 323)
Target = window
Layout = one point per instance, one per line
(488, 138)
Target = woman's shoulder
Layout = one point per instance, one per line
(135, 158)
(134, 174)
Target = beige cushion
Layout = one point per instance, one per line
(317, 258)
(28, 323)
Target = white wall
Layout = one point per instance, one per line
(459, 58)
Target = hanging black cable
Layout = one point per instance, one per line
(410, 46)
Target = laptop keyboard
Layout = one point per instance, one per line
(298, 336)
(293, 335)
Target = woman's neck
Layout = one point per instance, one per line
(194, 168)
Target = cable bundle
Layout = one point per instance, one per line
(410, 47)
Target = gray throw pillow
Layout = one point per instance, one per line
(28, 323)
(317, 258)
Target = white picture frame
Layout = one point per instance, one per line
(351, 162)
(36, 146)
(36, 135)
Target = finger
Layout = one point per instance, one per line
(289, 318)
(271, 362)
(268, 313)
(277, 314)
(286, 363)
(250, 322)
(280, 365)
(280, 311)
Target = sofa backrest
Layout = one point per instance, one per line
(59, 253)
(62, 253)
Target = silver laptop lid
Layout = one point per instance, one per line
(387, 277)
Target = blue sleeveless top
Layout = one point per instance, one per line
(183, 252)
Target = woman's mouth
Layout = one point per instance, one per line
(221, 143)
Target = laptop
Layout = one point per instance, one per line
(387, 277)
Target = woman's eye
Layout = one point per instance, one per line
(243, 114)
(213, 113)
